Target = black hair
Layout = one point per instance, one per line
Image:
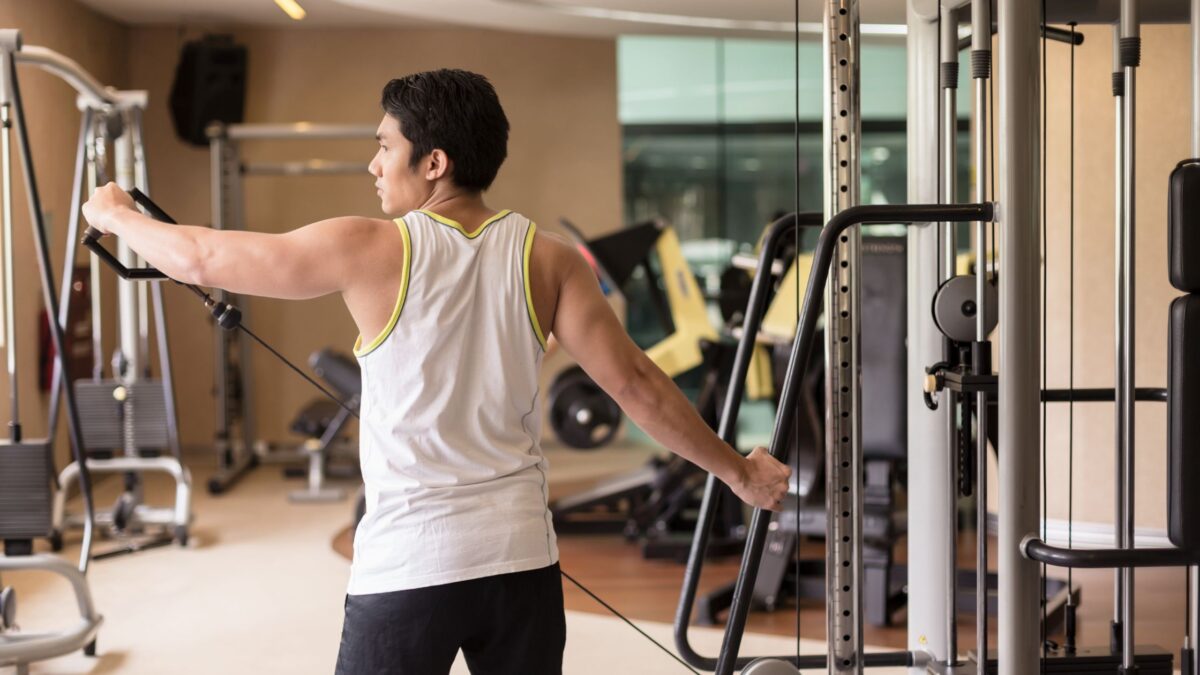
(454, 110)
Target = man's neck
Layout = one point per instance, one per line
(465, 208)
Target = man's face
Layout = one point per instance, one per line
(401, 188)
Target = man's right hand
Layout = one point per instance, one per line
(763, 480)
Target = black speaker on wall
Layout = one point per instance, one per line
(209, 86)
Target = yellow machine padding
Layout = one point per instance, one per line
(680, 351)
(779, 324)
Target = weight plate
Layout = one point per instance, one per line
(955, 308)
(581, 414)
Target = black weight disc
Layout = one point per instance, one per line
(581, 414)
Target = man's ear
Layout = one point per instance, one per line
(439, 165)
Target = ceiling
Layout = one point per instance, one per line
(761, 18)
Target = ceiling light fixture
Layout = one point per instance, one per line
(292, 9)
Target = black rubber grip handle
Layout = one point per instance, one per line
(91, 241)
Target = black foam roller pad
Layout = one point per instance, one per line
(1183, 423)
(1183, 227)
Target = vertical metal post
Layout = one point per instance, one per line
(245, 371)
(843, 443)
(142, 175)
(981, 73)
(141, 179)
(1130, 59)
(949, 195)
(1118, 84)
(926, 429)
(949, 85)
(1020, 315)
(127, 304)
(218, 156)
(227, 215)
(10, 92)
(72, 245)
(127, 367)
(6, 218)
(96, 157)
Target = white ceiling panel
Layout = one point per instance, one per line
(568, 17)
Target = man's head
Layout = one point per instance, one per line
(441, 126)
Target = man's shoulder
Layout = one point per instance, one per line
(359, 223)
(353, 233)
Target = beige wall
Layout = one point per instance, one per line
(564, 160)
(560, 94)
(1163, 139)
(101, 45)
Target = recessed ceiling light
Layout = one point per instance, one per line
(292, 9)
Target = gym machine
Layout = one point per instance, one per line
(1183, 359)
(324, 422)
(656, 502)
(962, 314)
(129, 421)
(27, 465)
(236, 441)
(581, 414)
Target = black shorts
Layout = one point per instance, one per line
(509, 623)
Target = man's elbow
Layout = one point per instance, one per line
(194, 266)
(635, 387)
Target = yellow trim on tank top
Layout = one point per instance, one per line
(537, 327)
(458, 226)
(405, 273)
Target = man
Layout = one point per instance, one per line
(454, 302)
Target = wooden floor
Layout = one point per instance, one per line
(615, 571)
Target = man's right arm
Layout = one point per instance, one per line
(587, 329)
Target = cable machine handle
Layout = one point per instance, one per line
(226, 315)
(91, 241)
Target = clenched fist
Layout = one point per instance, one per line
(762, 480)
(105, 201)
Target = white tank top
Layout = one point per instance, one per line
(451, 416)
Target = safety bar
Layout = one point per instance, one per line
(755, 308)
(312, 167)
(1104, 558)
(801, 347)
(1051, 33)
(294, 131)
(1100, 395)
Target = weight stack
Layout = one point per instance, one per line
(25, 499)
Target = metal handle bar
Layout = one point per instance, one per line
(806, 330)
